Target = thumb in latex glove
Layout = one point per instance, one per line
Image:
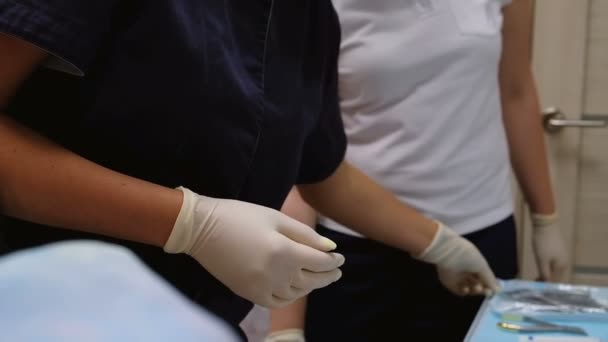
(259, 253)
(549, 248)
(460, 266)
(289, 335)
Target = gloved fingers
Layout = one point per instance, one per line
(464, 289)
(279, 299)
(317, 261)
(472, 285)
(269, 301)
(316, 280)
(303, 234)
(549, 248)
(449, 280)
(487, 278)
(276, 302)
(558, 271)
(454, 282)
(482, 289)
(467, 285)
(477, 288)
(290, 292)
(544, 268)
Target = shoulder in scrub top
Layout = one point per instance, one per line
(232, 99)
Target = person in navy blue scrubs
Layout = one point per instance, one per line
(184, 124)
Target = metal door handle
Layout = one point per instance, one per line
(554, 121)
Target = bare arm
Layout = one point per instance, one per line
(296, 208)
(521, 111)
(45, 183)
(354, 200)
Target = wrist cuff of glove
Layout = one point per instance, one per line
(289, 335)
(543, 220)
(179, 240)
(432, 254)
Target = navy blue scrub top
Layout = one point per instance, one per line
(230, 98)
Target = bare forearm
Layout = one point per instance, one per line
(44, 183)
(353, 199)
(296, 208)
(289, 317)
(528, 151)
(521, 110)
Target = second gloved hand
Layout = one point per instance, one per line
(460, 266)
(259, 253)
(549, 248)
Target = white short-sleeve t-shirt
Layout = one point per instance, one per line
(420, 102)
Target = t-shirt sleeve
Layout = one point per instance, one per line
(70, 30)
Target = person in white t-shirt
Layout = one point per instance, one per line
(438, 101)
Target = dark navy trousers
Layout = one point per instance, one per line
(385, 295)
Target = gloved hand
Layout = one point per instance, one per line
(549, 248)
(460, 266)
(257, 252)
(289, 335)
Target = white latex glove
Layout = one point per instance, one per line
(460, 266)
(549, 248)
(290, 335)
(259, 253)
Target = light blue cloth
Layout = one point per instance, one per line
(91, 291)
(485, 328)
